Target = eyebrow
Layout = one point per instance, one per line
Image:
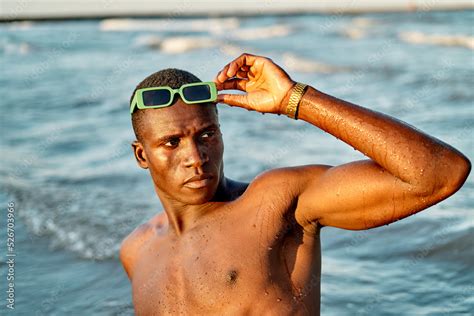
(167, 137)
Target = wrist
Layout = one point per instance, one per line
(286, 98)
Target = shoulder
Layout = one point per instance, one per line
(131, 245)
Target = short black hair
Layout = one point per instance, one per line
(171, 77)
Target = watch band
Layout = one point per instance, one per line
(295, 97)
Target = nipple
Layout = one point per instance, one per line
(232, 277)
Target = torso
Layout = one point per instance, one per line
(250, 257)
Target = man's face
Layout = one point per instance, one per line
(179, 142)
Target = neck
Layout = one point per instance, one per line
(183, 217)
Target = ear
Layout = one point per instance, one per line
(140, 155)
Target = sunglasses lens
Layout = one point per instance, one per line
(197, 93)
(156, 97)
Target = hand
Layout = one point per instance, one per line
(267, 85)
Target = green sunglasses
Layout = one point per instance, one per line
(160, 97)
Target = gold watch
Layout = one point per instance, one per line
(295, 97)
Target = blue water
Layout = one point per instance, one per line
(68, 167)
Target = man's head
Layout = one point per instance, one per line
(178, 142)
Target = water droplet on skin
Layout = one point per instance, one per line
(270, 248)
(266, 292)
(278, 299)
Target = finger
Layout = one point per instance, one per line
(236, 64)
(242, 75)
(221, 77)
(232, 84)
(234, 100)
(231, 68)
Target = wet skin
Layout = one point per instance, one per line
(238, 254)
(223, 247)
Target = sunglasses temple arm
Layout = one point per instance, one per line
(133, 104)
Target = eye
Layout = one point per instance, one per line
(172, 142)
(208, 134)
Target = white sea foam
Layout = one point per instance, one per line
(20, 25)
(215, 25)
(437, 39)
(297, 63)
(183, 44)
(358, 28)
(21, 48)
(257, 33)
(354, 33)
(176, 44)
(234, 50)
(363, 22)
(150, 41)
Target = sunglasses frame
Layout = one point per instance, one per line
(137, 101)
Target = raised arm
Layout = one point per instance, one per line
(408, 170)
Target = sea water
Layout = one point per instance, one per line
(68, 167)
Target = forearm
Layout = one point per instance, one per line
(405, 152)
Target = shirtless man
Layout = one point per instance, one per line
(223, 247)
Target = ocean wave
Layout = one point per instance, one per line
(363, 22)
(457, 248)
(176, 44)
(437, 39)
(214, 25)
(89, 223)
(182, 44)
(353, 33)
(445, 245)
(297, 63)
(150, 41)
(12, 48)
(20, 25)
(357, 28)
(235, 50)
(257, 33)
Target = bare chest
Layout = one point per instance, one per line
(199, 270)
(235, 265)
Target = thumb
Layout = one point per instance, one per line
(239, 100)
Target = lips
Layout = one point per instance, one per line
(198, 181)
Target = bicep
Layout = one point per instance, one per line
(358, 195)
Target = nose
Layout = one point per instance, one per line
(195, 155)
